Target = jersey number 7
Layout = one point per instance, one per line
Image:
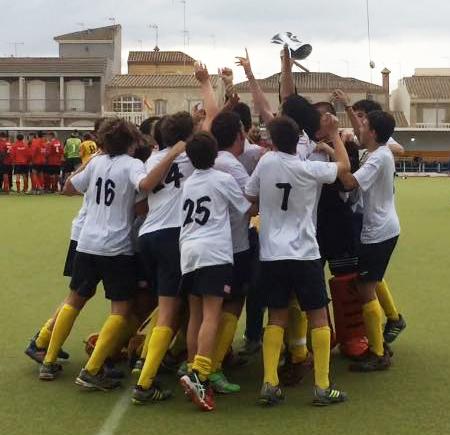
(286, 187)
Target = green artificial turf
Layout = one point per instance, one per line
(411, 398)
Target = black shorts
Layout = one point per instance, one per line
(21, 169)
(68, 265)
(117, 273)
(71, 165)
(38, 168)
(208, 281)
(280, 279)
(53, 169)
(242, 269)
(160, 251)
(374, 259)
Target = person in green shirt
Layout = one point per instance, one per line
(72, 154)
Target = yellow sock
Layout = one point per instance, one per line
(387, 301)
(320, 341)
(151, 326)
(297, 330)
(61, 330)
(112, 332)
(157, 348)
(45, 334)
(202, 365)
(126, 334)
(224, 339)
(372, 319)
(189, 367)
(272, 342)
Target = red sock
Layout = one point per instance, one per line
(25, 183)
(33, 181)
(17, 183)
(5, 183)
(41, 180)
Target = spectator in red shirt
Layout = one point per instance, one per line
(5, 162)
(38, 161)
(55, 155)
(20, 155)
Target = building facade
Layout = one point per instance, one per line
(65, 91)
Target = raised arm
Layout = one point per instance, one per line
(156, 175)
(262, 105)
(226, 74)
(287, 86)
(207, 91)
(342, 97)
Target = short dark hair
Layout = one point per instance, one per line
(175, 128)
(303, 113)
(51, 133)
(202, 150)
(98, 123)
(284, 133)
(147, 125)
(383, 124)
(225, 128)
(142, 152)
(87, 136)
(326, 106)
(157, 134)
(20, 136)
(366, 106)
(3, 134)
(40, 134)
(245, 115)
(117, 136)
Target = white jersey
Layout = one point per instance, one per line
(287, 189)
(164, 203)
(376, 180)
(250, 156)
(227, 162)
(305, 147)
(78, 222)
(109, 185)
(205, 238)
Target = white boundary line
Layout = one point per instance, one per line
(115, 416)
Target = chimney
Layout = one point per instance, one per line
(385, 73)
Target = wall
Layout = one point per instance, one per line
(177, 99)
(424, 140)
(149, 69)
(402, 101)
(93, 97)
(79, 50)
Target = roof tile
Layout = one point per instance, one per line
(428, 87)
(160, 57)
(158, 81)
(100, 33)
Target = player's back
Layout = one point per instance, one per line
(164, 202)
(110, 186)
(205, 237)
(288, 192)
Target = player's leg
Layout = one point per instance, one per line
(17, 176)
(25, 179)
(34, 180)
(311, 292)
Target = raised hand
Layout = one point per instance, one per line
(340, 96)
(329, 124)
(226, 74)
(201, 72)
(245, 63)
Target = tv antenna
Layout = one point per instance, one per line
(156, 29)
(16, 45)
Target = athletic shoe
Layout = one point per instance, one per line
(372, 363)
(220, 384)
(393, 328)
(183, 369)
(34, 352)
(138, 366)
(169, 363)
(292, 374)
(329, 396)
(270, 395)
(155, 393)
(49, 371)
(112, 372)
(63, 355)
(199, 392)
(96, 382)
(250, 348)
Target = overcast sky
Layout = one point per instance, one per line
(405, 34)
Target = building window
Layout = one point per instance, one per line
(434, 117)
(160, 107)
(75, 96)
(4, 96)
(127, 104)
(36, 96)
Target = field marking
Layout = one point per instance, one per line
(115, 416)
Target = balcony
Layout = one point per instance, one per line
(134, 117)
(431, 125)
(48, 105)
